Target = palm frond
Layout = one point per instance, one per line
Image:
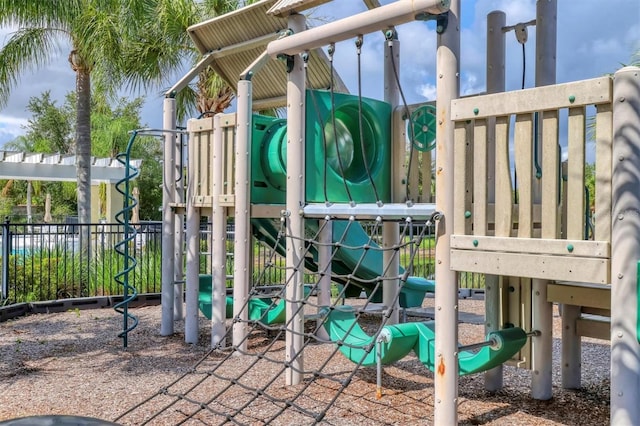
(186, 101)
(40, 13)
(27, 49)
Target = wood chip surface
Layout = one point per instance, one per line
(73, 363)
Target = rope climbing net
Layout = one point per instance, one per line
(230, 385)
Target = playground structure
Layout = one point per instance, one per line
(533, 252)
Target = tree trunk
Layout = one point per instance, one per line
(83, 168)
(83, 145)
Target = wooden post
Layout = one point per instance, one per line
(542, 312)
(168, 218)
(295, 203)
(191, 320)
(218, 238)
(391, 230)
(495, 83)
(242, 236)
(446, 301)
(625, 248)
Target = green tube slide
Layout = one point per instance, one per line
(264, 309)
(343, 328)
(346, 260)
(355, 344)
(367, 264)
(508, 342)
(261, 309)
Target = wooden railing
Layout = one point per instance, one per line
(202, 134)
(495, 235)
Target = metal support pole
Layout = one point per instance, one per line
(391, 230)
(380, 18)
(496, 20)
(542, 312)
(168, 218)
(6, 251)
(295, 202)
(242, 236)
(446, 298)
(193, 252)
(625, 248)
(219, 240)
(324, 266)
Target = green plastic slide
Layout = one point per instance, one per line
(261, 309)
(346, 260)
(509, 342)
(343, 328)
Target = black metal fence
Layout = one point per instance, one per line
(41, 262)
(50, 261)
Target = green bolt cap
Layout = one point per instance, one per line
(475, 243)
(467, 214)
(476, 111)
(570, 248)
(572, 99)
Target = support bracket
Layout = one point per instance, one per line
(288, 60)
(442, 20)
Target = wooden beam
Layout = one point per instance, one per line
(546, 267)
(580, 295)
(579, 248)
(581, 93)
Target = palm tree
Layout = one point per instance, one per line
(161, 45)
(92, 30)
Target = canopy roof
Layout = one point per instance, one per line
(58, 167)
(236, 43)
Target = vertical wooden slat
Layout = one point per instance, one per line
(504, 205)
(459, 186)
(575, 174)
(480, 177)
(415, 175)
(203, 187)
(229, 141)
(604, 135)
(523, 136)
(468, 177)
(523, 141)
(425, 173)
(550, 175)
(575, 221)
(399, 164)
(563, 175)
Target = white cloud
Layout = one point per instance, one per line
(428, 91)
(592, 40)
(10, 128)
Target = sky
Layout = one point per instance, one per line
(594, 38)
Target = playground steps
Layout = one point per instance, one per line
(594, 301)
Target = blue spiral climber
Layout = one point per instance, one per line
(122, 247)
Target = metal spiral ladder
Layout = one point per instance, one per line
(123, 247)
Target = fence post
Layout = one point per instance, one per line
(6, 251)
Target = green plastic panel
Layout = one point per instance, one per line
(344, 160)
(268, 160)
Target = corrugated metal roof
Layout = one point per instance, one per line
(235, 40)
(285, 7)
